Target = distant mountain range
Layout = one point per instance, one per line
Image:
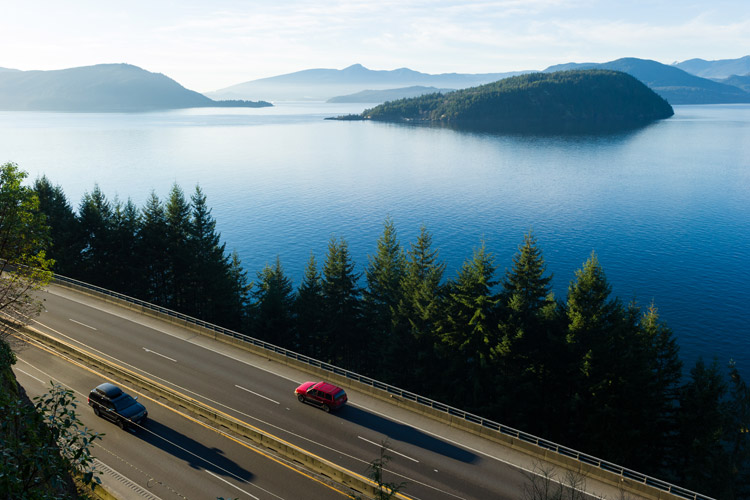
(670, 82)
(100, 88)
(324, 84)
(717, 70)
(123, 87)
(378, 96)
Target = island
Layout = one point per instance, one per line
(564, 101)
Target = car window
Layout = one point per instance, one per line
(340, 394)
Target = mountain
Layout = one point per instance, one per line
(99, 88)
(672, 83)
(718, 70)
(323, 84)
(565, 101)
(378, 96)
(742, 82)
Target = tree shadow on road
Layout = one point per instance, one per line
(405, 433)
(195, 454)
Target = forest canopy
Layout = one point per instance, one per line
(586, 370)
(564, 101)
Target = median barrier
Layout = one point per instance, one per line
(312, 462)
(625, 479)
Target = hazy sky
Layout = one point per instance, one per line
(210, 44)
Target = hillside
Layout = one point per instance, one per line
(323, 84)
(100, 88)
(378, 96)
(576, 101)
(672, 83)
(718, 70)
(742, 82)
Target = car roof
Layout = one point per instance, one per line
(327, 387)
(109, 390)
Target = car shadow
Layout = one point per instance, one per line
(195, 454)
(405, 433)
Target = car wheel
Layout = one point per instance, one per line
(301, 398)
(326, 408)
(97, 412)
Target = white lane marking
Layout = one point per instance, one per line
(163, 356)
(390, 450)
(233, 486)
(32, 376)
(82, 324)
(255, 393)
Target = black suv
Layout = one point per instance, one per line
(110, 402)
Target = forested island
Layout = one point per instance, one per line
(564, 101)
(586, 370)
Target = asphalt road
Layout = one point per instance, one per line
(171, 456)
(435, 461)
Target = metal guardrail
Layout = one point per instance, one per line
(416, 398)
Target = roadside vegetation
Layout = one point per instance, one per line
(586, 370)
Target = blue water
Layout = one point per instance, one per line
(666, 208)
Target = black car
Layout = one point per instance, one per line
(110, 402)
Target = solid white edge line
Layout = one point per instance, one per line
(32, 376)
(233, 486)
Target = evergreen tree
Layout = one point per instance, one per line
(210, 286)
(345, 343)
(97, 224)
(124, 267)
(528, 352)
(737, 436)
(239, 299)
(181, 264)
(468, 331)
(418, 312)
(309, 312)
(273, 306)
(66, 238)
(703, 464)
(152, 251)
(384, 274)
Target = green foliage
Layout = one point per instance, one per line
(386, 490)
(588, 372)
(24, 239)
(43, 446)
(585, 100)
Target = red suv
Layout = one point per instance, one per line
(327, 396)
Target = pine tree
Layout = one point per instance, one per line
(177, 216)
(345, 343)
(309, 312)
(97, 224)
(66, 237)
(152, 251)
(469, 330)
(528, 352)
(124, 267)
(273, 306)
(703, 463)
(417, 315)
(384, 274)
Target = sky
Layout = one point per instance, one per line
(207, 45)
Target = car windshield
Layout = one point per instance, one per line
(124, 402)
(340, 394)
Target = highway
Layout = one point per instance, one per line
(434, 460)
(172, 455)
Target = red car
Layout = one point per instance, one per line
(327, 396)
